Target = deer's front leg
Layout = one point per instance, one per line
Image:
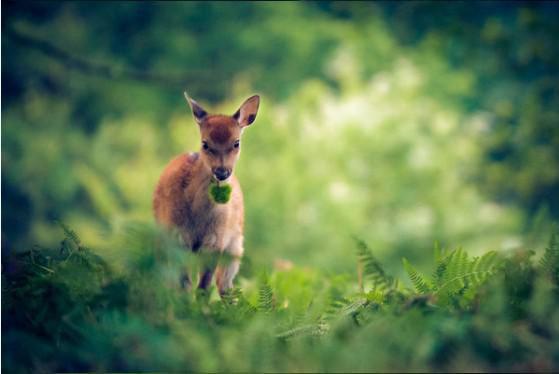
(229, 265)
(206, 278)
(210, 257)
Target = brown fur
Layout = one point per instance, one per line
(181, 200)
(220, 134)
(219, 128)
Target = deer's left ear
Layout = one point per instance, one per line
(247, 112)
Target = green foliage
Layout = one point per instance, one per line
(455, 275)
(70, 234)
(68, 310)
(418, 280)
(220, 193)
(403, 122)
(372, 269)
(461, 274)
(369, 126)
(265, 295)
(550, 259)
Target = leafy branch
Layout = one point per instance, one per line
(105, 70)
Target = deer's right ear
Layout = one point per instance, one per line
(197, 111)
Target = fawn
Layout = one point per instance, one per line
(181, 201)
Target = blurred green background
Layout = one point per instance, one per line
(401, 123)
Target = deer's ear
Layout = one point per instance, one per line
(197, 111)
(247, 112)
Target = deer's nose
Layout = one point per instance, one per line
(222, 173)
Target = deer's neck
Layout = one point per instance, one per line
(202, 215)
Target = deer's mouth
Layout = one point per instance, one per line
(221, 174)
(219, 182)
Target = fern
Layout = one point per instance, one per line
(314, 329)
(452, 276)
(297, 331)
(372, 269)
(441, 262)
(333, 307)
(377, 296)
(457, 273)
(231, 296)
(549, 262)
(265, 296)
(337, 308)
(352, 307)
(417, 279)
(70, 234)
(236, 304)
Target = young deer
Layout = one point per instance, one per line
(181, 199)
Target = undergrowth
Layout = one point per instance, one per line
(68, 309)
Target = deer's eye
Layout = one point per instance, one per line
(205, 146)
(236, 144)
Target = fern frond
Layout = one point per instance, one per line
(334, 306)
(549, 262)
(461, 274)
(417, 279)
(451, 278)
(314, 329)
(70, 234)
(265, 296)
(235, 301)
(372, 269)
(485, 266)
(347, 307)
(352, 307)
(376, 296)
(441, 262)
(297, 331)
(231, 296)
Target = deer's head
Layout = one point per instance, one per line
(221, 135)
